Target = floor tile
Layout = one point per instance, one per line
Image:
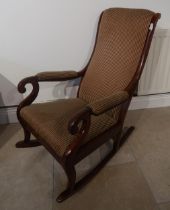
(115, 187)
(164, 206)
(25, 174)
(124, 155)
(150, 144)
(27, 177)
(8, 132)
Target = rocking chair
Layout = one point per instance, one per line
(71, 129)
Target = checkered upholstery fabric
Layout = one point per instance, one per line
(120, 41)
(50, 122)
(108, 102)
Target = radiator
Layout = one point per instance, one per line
(155, 78)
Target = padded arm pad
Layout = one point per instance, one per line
(102, 105)
(57, 75)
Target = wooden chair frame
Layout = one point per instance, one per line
(76, 152)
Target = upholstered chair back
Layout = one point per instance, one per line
(119, 45)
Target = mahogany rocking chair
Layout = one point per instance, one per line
(71, 129)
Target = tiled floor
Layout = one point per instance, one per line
(137, 178)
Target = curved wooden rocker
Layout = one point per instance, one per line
(71, 129)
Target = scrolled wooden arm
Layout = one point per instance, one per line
(22, 89)
(73, 125)
(78, 126)
(41, 77)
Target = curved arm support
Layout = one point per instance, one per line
(44, 76)
(79, 126)
(40, 77)
(22, 89)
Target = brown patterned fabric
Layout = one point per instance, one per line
(56, 75)
(120, 41)
(50, 122)
(106, 103)
(121, 38)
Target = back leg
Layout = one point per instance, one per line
(122, 136)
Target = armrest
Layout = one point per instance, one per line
(79, 124)
(44, 76)
(58, 75)
(102, 105)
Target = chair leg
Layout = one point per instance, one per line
(126, 133)
(27, 142)
(74, 187)
(71, 175)
(122, 136)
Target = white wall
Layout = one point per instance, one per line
(37, 35)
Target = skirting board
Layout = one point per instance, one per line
(8, 115)
(150, 101)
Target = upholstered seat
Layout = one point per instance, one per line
(50, 122)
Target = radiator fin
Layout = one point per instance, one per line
(155, 78)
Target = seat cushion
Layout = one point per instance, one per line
(50, 122)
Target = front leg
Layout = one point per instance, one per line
(27, 142)
(26, 102)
